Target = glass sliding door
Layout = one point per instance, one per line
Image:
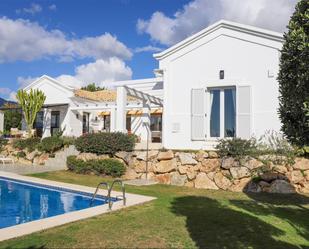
(85, 122)
(39, 123)
(215, 113)
(55, 122)
(229, 112)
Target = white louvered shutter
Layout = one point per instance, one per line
(198, 114)
(244, 106)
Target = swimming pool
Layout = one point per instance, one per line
(22, 201)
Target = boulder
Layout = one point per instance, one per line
(210, 165)
(202, 181)
(306, 175)
(102, 157)
(269, 176)
(150, 176)
(142, 155)
(30, 156)
(213, 154)
(40, 160)
(252, 187)
(163, 178)
(301, 164)
(187, 159)
(165, 155)
(221, 181)
(182, 169)
(296, 176)
(280, 169)
(281, 187)
(127, 157)
(239, 172)
(189, 184)
(239, 185)
(24, 161)
(165, 166)
(87, 156)
(211, 175)
(191, 173)
(200, 155)
(177, 179)
(229, 162)
(130, 174)
(305, 188)
(252, 163)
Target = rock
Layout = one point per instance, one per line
(239, 185)
(24, 161)
(306, 175)
(301, 164)
(165, 155)
(211, 175)
(252, 187)
(142, 155)
(264, 184)
(127, 157)
(182, 169)
(280, 169)
(252, 163)
(202, 181)
(191, 173)
(177, 179)
(140, 166)
(221, 181)
(296, 176)
(102, 157)
(165, 166)
(239, 172)
(229, 162)
(212, 154)
(87, 156)
(209, 165)
(281, 187)
(41, 159)
(187, 159)
(269, 176)
(32, 155)
(150, 176)
(200, 155)
(130, 174)
(163, 178)
(190, 184)
(305, 188)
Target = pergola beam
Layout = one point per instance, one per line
(143, 96)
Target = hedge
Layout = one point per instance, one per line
(105, 143)
(51, 144)
(109, 167)
(30, 143)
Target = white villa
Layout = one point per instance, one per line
(220, 82)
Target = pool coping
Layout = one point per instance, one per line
(58, 220)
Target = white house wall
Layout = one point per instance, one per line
(198, 66)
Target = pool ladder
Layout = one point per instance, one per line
(109, 191)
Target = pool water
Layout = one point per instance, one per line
(22, 202)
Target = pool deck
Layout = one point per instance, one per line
(28, 169)
(39, 225)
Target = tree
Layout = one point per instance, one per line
(31, 103)
(294, 76)
(92, 88)
(12, 117)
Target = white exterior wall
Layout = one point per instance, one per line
(197, 65)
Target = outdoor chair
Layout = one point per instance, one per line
(4, 159)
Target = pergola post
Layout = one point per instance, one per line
(121, 109)
(47, 123)
(113, 119)
(146, 121)
(1, 121)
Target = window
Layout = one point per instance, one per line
(106, 123)
(222, 121)
(39, 123)
(128, 124)
(55, 122)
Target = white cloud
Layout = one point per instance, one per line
(198, 14)
(52, 7)
(12, 96)
(24, 40)
(148, 48)
(33, 9)
(100, 72)
(4, 90)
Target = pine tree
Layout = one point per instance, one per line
(294, 76)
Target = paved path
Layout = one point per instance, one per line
(28, 169)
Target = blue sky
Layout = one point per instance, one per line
(79, 42)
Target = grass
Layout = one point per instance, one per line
(182, 218)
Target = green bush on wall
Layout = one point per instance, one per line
(51, 144)
(30, 143)
(110, 167)
(3, 142)
(236, 147)
(105, 143)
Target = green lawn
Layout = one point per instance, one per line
(183, 217)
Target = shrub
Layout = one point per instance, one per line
(105, 143)
(111, 167)
(3, 142)
(293, 77)
(51, 144)
(30, 143)
(68, 141)
(236, 147)
(20, 154)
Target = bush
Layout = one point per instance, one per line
(51, 144)
(20, 154)
(105, 143)
(110, 167)
(237, 147)
(3, 142)
(30, 143)
(67, 141)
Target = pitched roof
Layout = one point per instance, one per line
(268, 34)
(103, 95)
